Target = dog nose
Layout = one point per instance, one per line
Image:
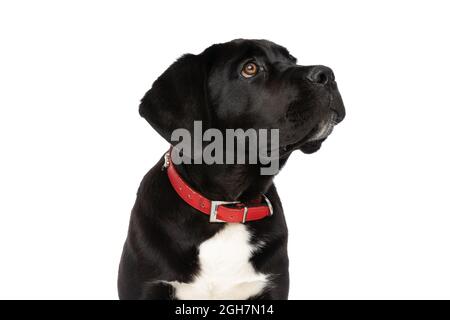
(320, 75)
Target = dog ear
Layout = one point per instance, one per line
(178, 97)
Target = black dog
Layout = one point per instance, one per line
(173, 251)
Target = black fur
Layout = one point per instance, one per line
(165, 232)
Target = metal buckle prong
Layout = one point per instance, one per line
(269, 204)
(213, 211)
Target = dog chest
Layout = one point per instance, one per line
(225, 269)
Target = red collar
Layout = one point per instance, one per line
(219, 211)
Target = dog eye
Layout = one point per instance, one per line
(249, 70)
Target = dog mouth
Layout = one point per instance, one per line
(324, 128)
(313, 140)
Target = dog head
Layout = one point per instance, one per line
(247, 84)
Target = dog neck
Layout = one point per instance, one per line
(222, 182)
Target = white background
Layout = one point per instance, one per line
(368, 214)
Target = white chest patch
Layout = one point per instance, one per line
(225, 270)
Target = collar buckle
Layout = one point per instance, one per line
(214, 207)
